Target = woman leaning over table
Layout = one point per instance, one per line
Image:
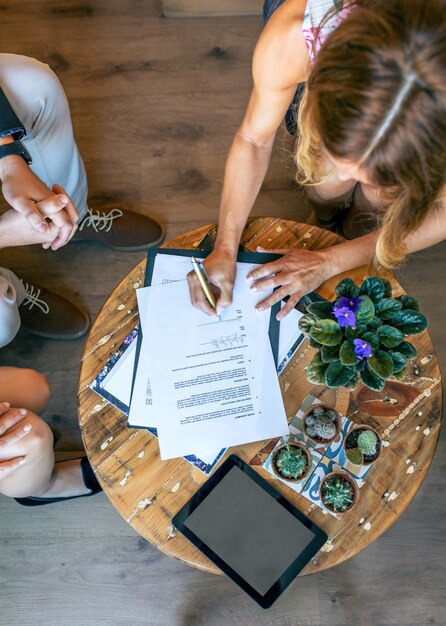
(371, 123)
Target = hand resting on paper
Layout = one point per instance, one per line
(296, 273)
(221, 270)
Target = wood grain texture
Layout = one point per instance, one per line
(125, 69)
(148, 492)
(209, 8)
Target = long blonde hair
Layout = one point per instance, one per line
(376, 96)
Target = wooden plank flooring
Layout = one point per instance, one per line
(154, 105)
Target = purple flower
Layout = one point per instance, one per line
(344, 316)
(349, 303)
(362, 349)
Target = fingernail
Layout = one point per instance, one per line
(6, 405)
(278, 317)
(27, 428)
(249, 278)
(22, 461)
(23, 411)
(253, 288)
(259, 308)
(41, 228)
(63, 198)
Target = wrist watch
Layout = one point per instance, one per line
(15, 147)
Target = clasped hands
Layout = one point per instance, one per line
(38, 214)
(295, 274)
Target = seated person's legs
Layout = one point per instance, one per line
(26, 444)
(40, 102)
(29, 390)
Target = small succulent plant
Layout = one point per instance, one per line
(360, 337)
(364, 443)
(367, 441)
(355, 455)
(321, 423)
(337, 493)
(291, 462)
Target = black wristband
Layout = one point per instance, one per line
(16, 147)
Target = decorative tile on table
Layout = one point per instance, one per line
(295, 486)
(296, 425)
(311, 490)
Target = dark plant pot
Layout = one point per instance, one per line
(320, 439)
(307, 453)
(347, 478)
(351, 442)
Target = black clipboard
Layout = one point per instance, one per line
(243, 257)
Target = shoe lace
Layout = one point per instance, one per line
(32, 299)
(99, 220)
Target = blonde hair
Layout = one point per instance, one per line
(376, 96)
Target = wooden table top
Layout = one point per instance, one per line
(148, 492)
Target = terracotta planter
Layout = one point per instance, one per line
(351, 482)
(363, 427)
(295, 444)
(320, 439)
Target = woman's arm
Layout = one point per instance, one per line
(280, 62)
(301, 271)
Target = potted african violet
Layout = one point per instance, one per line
(361, 336)
(362, 445)
(338, 492)
(291, 461)
(321, 423)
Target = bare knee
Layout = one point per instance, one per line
(37, 448)
(39, 390)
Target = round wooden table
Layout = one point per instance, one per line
(148, 492)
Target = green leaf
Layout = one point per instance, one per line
(352, 383)
(321, 310)
(387, 288)
(326, 332)
(410, 322)
(347, 354)
(338, 375)
(400, 375)
(306, 322)
(381, 363)
(408, 302)
(315, 344)
(390, 336)
(372, 287)
(387, 308)
(330, 353)
(407, 349)
(346, 287)
(399, 361)
(316, 370)
(372, 380)
(374, 324)
(366, 310)
(372, 339)
(355, 332)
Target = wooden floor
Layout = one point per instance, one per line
(154, 105)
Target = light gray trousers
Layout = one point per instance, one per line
(39, 102)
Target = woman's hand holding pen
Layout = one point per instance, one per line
(221, 269)
(295, 274)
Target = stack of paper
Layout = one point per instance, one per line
(204, 383)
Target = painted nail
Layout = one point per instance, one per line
(27, 428)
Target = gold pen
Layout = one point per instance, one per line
(204, 281)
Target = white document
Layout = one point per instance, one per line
(215, 380)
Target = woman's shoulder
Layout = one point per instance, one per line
(281, 55)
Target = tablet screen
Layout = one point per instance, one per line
(249, 530)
